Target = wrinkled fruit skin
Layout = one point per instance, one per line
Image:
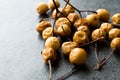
(64, 30)
(84, 29)
(98, 33)
(80, 37)
(48, 54)
(68, 46)
(61, 21)
(115, 32)
(48, 32)
(68, 9)
(81, 22)
(106, 27)
(115, 43)
(52, 42)
(116, 18)
(58, 14)
(73, 17)
(78, 56)
(42, 25)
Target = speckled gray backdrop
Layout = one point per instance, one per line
(20, 44)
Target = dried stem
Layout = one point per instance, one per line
(45, 19)
(57, 11)
(67, 74)
(116, 25)
(74, 8)
(66, 4)
(96, 53)
(55, 15)
(53, 28)
(41, 20)
(91, 42)
(107, 58)
(50, 67)
(88, 11)
(66, 34)
(98, 66)
(79, 11)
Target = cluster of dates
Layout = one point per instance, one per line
(78, 31)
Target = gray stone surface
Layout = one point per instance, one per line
(20, 44)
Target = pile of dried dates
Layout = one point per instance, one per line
(76, 31)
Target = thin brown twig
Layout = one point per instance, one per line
(53, 28)
(66, 4)
(41, 20)
(45, 19)
(107, 58)
(116, 25)
(57, 11)
(99, 65)
(66, 34)
(50, 67)
(74, 8)
(73, 69)
(96, 53)
(91, 42)
(55, 15)
(88, 11)
(79, 11)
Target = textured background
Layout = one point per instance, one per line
(20, 44)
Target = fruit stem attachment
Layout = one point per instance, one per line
(66, 4)
(57, 11)
(46, 19)
(88, 11)
(68, 37)
(73, 69)
(79, 11)
(115, 25)
(50, 67)
(74, 8)
(101, 38)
